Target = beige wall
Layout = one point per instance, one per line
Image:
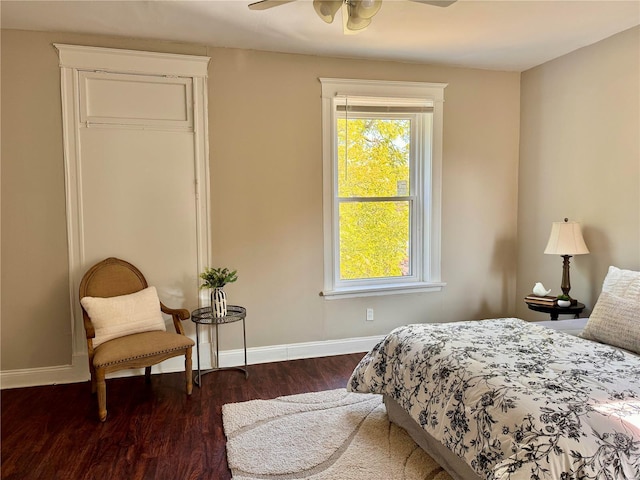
(35, 324)
(580, 158)
(266, 179)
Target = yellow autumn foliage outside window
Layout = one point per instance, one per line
(374, 182)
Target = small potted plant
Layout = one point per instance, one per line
(215, 279)
(564, 301)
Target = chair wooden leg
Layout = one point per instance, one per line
(92, 371)
(102, 394)
(147, 374)
(187, 371)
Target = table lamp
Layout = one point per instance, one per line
(566, 240)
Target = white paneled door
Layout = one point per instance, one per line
(135, 155)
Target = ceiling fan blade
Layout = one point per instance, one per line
(437, 3)
(264, 4)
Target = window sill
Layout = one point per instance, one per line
(380, 290)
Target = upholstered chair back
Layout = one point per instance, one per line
(111, 278)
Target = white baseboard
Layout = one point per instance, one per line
(79, 370)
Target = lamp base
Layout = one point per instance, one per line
(566, 282)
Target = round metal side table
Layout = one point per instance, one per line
(204, 316)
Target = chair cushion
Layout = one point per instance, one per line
(139, 346)
(114, 317)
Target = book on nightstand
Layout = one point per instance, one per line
(538, 300)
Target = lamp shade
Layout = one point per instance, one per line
(566, 239)
(366, 8)
(327, 9)
(355, 23)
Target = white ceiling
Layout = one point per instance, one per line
(502, 34)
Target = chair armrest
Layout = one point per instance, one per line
(177, 314)
(182, 313)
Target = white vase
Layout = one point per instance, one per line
(218, 303)
(564, 303)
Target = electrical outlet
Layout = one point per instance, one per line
(369, 314)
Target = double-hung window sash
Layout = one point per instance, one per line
(379, 189)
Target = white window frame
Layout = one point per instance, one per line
(425, 250)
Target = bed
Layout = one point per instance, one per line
(508, 399)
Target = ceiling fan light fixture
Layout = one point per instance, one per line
(327, 9)
(355, 24)
(357, 14)
(365, 8)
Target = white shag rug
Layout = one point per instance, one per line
(331, 435)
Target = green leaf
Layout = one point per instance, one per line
(217, 277)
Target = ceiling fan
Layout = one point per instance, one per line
(356, 14)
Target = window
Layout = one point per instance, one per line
(382, 144)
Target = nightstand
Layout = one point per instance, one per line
(554, 310)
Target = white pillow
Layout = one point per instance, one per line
(615, 321)
(115, 317)
(622, 283)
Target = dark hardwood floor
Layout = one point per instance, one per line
(153, 431)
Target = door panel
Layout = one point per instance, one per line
(138, 204)
(119, 99)
(136, 168)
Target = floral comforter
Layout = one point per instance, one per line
(514, 400)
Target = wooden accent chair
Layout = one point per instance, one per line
(113, 278)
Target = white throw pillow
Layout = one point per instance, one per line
(615, 321)
(622, 283)
(115, 317)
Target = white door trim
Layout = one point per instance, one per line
(73, 60)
